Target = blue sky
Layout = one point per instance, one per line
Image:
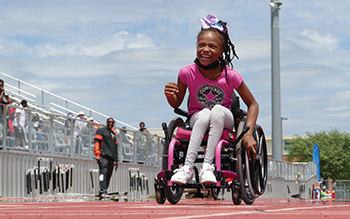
(116, 56)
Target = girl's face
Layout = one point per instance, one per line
(209, 47)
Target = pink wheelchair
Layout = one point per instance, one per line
(234, 172)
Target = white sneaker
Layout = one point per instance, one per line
(206, 175)
(182, 175)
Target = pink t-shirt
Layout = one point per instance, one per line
(205, 93)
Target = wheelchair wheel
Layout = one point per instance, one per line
(173, 193)
(160, 196)
(260, 178)
(236, 196)
(215, 192)
(244, 169)
(173, 125)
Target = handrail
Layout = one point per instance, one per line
(20, 90)
(61, 107)
(11, 93)
(59, 97)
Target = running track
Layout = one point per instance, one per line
(185, 209)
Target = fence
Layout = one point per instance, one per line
(342, 189)
(290, 171)
(49, 134)
(66, 176)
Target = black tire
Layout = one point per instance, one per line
(236, 196)
(215, 192)
(243, 169)
(173, 193)
(160, 196)
(175, 123)
(261, 163)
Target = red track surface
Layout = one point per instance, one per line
(185, 209)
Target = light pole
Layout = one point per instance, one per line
(276, 82)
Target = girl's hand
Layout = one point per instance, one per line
(170, 89)
(249, 145)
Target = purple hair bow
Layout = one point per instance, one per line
(211, 21)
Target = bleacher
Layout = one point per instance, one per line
(54, 138)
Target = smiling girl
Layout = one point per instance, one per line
(211, 83)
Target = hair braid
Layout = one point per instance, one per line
(228, 47)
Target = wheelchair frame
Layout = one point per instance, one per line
(245, 179)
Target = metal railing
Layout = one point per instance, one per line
(47, 98)
(290, 171)
(51, 135)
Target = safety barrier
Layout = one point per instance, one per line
(49, 179)
(139, 187)
(290, 170)
(19, 173)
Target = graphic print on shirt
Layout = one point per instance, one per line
(209, 95)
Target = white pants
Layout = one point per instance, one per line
(216, 120)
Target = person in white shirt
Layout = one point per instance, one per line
(80, 121)
(19, 123)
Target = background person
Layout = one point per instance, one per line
(87, 131)
(80, 121)
(4, 100)
(143, 127)
(38, 126)
(106, 151)
(19, 123)
(68, 124)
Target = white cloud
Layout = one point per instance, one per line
(119, 41)
(318, 42)
(122, 53)
(8, 46)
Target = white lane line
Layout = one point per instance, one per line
(250, 212)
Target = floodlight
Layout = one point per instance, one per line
(275, 4)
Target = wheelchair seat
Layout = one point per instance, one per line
(184, 133)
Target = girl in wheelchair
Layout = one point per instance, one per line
(211, 81)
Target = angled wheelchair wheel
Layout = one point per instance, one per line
(160, 196)
(245, 170)
(173, 125)
(173, 193)
(260, 179)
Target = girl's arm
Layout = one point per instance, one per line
(253, 110)
(175, 92)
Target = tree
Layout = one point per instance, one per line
(334, 152)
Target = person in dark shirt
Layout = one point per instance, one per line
(106, 151)
(4, 100)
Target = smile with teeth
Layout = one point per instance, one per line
(205, 57)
